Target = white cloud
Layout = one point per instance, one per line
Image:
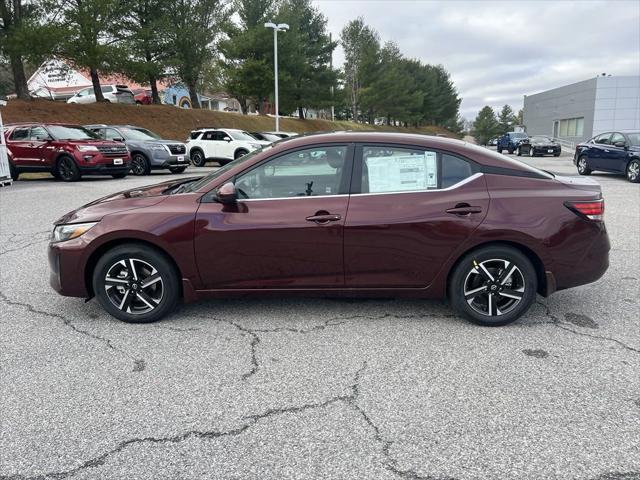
(497, 52)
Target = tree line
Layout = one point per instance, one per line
(488, 125)
(223, 45)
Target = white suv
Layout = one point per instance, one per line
(220, 145)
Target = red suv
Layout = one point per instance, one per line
(66, 151)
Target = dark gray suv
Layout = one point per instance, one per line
(148, 150)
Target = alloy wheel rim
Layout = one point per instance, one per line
(65, 169)
(134, 286)
(582, 164)
(494, 287)
(137, 165)
(197, 158)
(633, 170)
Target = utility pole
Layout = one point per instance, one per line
(281, 27)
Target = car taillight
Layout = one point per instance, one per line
(593, 210)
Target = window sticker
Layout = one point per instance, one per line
(402, 173)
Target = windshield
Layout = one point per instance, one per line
(139, 134)
(540, 138)
(270, 137)
(69, 132)
(244, 136)
(634, 138)
(192, 187)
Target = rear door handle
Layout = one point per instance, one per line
(324, 218)
(464, 209)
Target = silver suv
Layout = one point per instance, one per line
(148, 150)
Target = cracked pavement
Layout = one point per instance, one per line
(314, 388)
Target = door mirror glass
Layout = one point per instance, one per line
(227, 194)
(227, 139)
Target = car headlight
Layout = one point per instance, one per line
(256, 145)
(157, 147)
(62, 233)
(87, 148)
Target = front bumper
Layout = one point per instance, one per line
(66, 268)
(105, 169)
(163, 159)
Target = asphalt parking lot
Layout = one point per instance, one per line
(314, 388)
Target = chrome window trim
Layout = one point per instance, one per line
(434, 190)
(291, 198)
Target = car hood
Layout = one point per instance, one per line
(121, 201)
(152, 142)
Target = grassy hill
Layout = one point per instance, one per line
(176, 123)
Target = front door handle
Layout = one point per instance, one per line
(324, 218)
(464, 209)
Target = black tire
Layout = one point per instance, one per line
(177, 169)
(238, 154)
(119, 175)
(532, 152)
(633, 171)
(510, 150)
(583, 165)
(126, 298)
(514, 294)
(13, 171)
(197, 158)
(498, 149)
(140, 164)
(67, 169)
(556, 154)
(519, 152)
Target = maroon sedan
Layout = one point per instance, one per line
(340, 214)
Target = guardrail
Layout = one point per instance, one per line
(566, 145)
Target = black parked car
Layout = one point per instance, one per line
(540, 145)
(616, 152)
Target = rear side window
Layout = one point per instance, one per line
(454, 170)
(388, 169)
(19, 134)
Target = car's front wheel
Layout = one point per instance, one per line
(493, 285)
(583, 166)
(140, 164)
(67, 170)
(633, 171)
(136, 284)
(197, 158)
(13, 171)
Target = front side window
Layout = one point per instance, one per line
(112, 134)
(194, 135)
(392, 169)
(316, 171)
(38, 133)
(617, 137)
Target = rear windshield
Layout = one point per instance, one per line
(70, 132)
(510, 162)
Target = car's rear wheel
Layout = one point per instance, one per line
(177, 169)
(67, 169)
(510, 150)
(140, 164)
(498, 149)
(197, 158)
(519, 152)
(633, 171)
(583, 166)
(532, 153)
(493, 285)
(136, 284)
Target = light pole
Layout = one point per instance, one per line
(281, 27)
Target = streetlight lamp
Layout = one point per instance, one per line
(281, 27)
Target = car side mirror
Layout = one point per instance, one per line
(620, 144)
(227, 139)
(119, 139)
(227, 194)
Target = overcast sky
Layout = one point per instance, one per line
(496, 52)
